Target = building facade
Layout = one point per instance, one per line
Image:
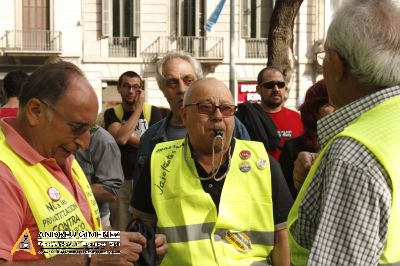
(107, 37)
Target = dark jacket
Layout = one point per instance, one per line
(259, 125)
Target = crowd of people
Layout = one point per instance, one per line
(209, 182)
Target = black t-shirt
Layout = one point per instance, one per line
(281, 197)
(128, 152)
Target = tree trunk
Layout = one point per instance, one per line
(280, 37)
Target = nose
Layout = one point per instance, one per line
(182, 87)
(217, 115)
(83, 140)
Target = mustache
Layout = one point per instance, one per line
(276, 94)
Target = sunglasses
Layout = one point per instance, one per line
(210, 108)
(271, 84)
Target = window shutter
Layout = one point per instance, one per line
(246, 16)
(136, 18)
(106, 18)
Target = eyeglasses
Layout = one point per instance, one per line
(128, 86)
(320, 57)
(271, 84)
(76, 128)
(210, 108)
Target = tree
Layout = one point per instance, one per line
(280, 36)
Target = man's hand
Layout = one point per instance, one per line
(302, 166)
(131, 245)
(161, 246)
(139, 100)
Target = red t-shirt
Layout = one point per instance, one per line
(289, 125)
(16, 215)
(5, 112)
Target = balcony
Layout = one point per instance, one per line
(30, 42)
(122, 47)
(205, 49)
(256, 48)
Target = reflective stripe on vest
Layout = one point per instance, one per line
(195, 232)
(185, 233)
(378, 129)
(35, 181)
(259, 238)
(187, 214)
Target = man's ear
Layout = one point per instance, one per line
(338, 64)
(34, 111)
(258, 89)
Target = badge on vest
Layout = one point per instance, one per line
(239, 240)
(261, 164)
(245, 154)
(244, 166)
(54, 194)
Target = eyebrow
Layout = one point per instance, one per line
(182, 77)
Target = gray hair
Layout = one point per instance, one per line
(172, 55)
(366, 34)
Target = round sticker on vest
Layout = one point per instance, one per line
(54, 194)
(261, 164)
(239, 240)
(245, 154)
(244, 167)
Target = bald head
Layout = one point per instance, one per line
(210, 86)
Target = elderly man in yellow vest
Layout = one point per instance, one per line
(348, 209)
(219, 200)
(42, 187)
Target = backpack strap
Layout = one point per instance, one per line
(147, 112)
(119, 112)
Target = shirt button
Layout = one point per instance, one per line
(210, 185)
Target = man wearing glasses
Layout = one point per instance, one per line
(272, 89)
(218, 199)
(348, 209)
(174, 73)
(126, 123)
(42, 187)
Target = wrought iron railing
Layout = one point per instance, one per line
(31, 40)
(256, 48)
(122, 47)
(199, 47)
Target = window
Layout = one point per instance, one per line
(121, 24)
(256, 16)
(36, 14)
(191, 17)
(35, 25)
(121, 18)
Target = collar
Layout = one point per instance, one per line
(161, 133)
(223, 167)
(336, 122)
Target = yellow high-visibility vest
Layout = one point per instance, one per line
(378, 129)
(196, 233)
(52, 205)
